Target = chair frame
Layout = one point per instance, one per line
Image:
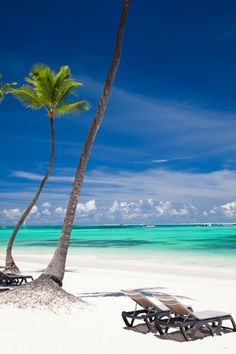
(13, 279)
(149, 312)
(185, 318)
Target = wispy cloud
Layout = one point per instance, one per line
(171, 159)
(159, 161)
(168, 125)
(37, 177)
(159, 184)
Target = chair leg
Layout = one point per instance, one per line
(184, 333)
(233, 323)
(148, 325)
(159, 328)
(125, 320)
(210, 329)
(132, 322)
(218, 329)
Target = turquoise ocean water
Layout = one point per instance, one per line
(195, 241)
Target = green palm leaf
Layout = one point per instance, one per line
(5, 88)
(27, 96)
(75, 108)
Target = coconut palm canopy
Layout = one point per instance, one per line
(50, 90)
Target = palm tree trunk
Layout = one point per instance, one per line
(56, 267)
(10, 265)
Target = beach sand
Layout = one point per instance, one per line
(99, 327)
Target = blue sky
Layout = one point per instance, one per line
(166, 151)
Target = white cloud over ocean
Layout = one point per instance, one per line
(147, 196)
(132, 212)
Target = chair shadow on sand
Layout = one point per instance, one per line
(175, 335)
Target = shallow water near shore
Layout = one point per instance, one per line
(195, 243)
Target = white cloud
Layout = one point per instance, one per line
(140, 197)
(46, 205)
(201, 189)
(142, 211)
(148, 209)
(172, 159)
(60, 211)
(46, 212)
(171, 124)
(87, 207)
(167, 209)
(11, 213)
(114, 207)
(34, 210)
(159, 161)
(37, 177)
(229, 209)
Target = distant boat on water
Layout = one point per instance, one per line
(149, 225)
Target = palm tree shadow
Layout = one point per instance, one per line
(145, 291)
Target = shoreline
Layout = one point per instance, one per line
(136, 261)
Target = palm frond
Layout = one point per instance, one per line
(27, 96)
(42, 78)
(64, 85)
(5, 88)
(64, 73)
(72, 108)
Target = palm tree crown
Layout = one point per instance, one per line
(50, 90)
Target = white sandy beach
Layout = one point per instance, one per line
(99, 328)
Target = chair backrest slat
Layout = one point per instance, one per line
(140, 299)
(174, 305)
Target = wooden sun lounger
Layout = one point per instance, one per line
(148, 312)
(186, 319)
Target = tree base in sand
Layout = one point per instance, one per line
(12, 269)
(42, 293)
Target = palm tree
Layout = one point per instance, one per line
(5, 88)
(56, 267)
(51, 91)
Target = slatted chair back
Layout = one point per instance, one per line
(174, 305)
(141, 300)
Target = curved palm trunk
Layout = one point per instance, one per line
(56, 267)
(10, 265)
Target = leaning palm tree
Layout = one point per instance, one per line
(4, 88)
(56, 267)
(51, 91)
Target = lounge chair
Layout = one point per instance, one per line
(13, 279)
(186, 319)
(148, 313)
